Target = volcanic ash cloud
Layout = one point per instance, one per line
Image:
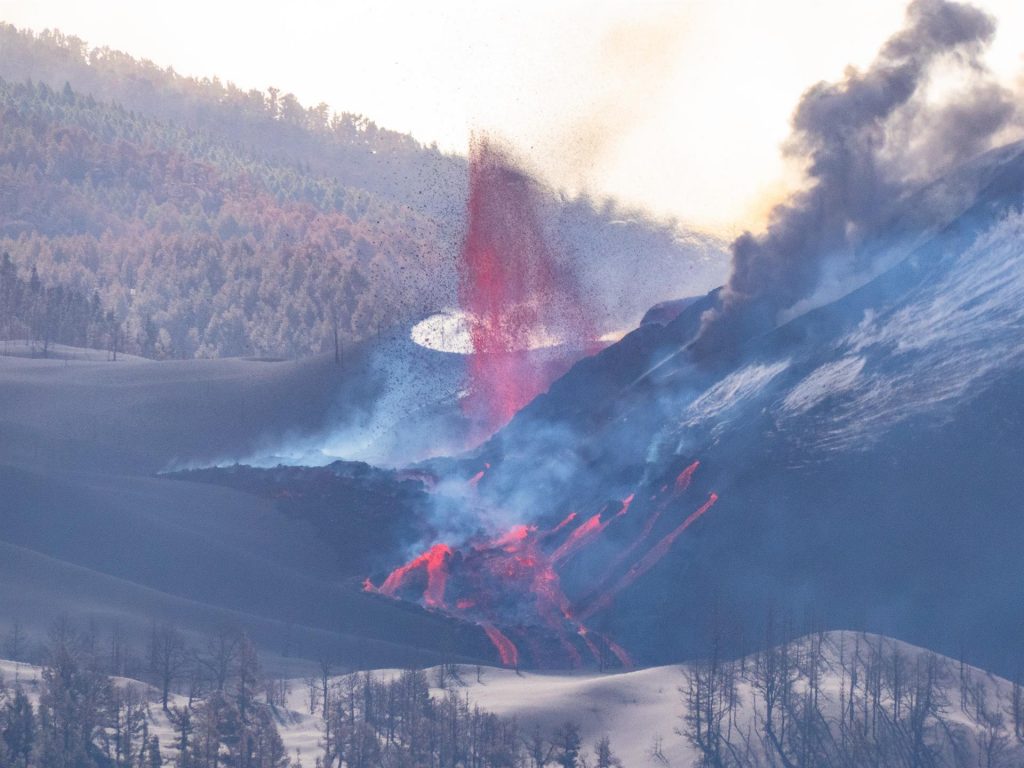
(866, 141)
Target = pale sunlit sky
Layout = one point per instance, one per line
(675, 107)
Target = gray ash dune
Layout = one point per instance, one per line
(92, 530)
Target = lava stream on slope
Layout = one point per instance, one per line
(513, 581)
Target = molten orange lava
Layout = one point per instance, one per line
(650, 559)
(513, 580)
(569, 518)
(507, 651)
(578, 537)
(587, 531)
(620, 653)
(435, 562)
(686, 477)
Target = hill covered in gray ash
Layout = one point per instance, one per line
(92, 530)
(848, 403)
(366, 516)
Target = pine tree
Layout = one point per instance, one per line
(604, 757)
(71, 703)
(17, 726)
(567, 745)
(153, 757)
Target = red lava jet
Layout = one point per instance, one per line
(517, 298)
(514, 580)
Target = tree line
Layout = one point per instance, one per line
(86, 717)
(216, 709)
(372, 721)
(222, 251)
(271, 121)
(44, 315)
(847, 700)
(825, 700)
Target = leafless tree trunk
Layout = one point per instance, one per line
(167, 657)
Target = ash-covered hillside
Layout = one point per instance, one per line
(92, 530)
(850, 399)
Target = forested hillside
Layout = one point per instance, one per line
(52, 314)
(221, 222)
(229, 254)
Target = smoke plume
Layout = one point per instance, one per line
(867, 141)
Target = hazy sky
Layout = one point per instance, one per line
(677, 107)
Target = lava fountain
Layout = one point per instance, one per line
(516, 295)
(511, 584)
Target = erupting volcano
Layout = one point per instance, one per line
(515, 580)
(518, 299)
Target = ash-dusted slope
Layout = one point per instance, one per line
(87, 527)
(866, 454)
(649, 713)
(138, 416)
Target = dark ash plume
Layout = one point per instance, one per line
(866, 141)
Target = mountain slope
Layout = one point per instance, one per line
(88, 529)
(236, 223)
(863, 453)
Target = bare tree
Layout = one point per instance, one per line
(603, 755)
(219, 655)
(167, 657)
(567, 744)
(656, 750)
(1017, 707)
(277, 690)
(15, 644)
(537, 748)
(773, 677)
(312, 694)
(993, 741)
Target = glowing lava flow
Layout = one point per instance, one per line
(513, 580)
(588, 530)
(579, 537)
(648, 561)
(686, 477)
(681, 484)
(620, 653)
(568, 519)
(435, 562)
(507, 651)
(474, 481)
